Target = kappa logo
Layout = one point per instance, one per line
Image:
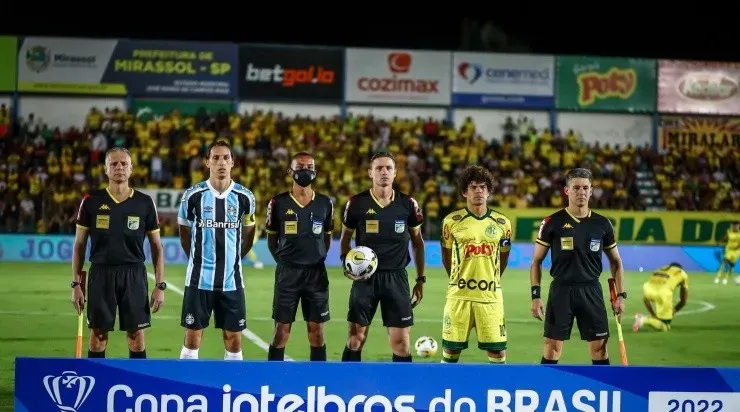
(69, 391)
(289, 212)
(371, 212)
(567, 226)
(104, 207)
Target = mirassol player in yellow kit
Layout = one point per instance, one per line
(732, 251)
(658, 297)
(475, 250)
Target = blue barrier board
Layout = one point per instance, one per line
(83, 385)
(58, 248)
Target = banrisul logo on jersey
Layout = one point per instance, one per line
(398, 76)
(307, 74)
(503, 80)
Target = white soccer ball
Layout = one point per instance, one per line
(361, 261)
(426, 347)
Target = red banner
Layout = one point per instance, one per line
(699, 87)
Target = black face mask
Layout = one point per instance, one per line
(304, 177)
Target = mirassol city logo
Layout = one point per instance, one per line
(617, 82)
(290, 76)
(398, 63)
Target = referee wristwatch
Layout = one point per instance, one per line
(421, 279)
(622, 295)
(161, 285)
(75, 284)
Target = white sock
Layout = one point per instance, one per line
(186, 353)
(233, 356)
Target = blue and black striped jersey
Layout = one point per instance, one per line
(216, 222)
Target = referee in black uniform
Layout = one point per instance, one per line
(576, 237)
(385, 221)
(299, 227)
(117, 220)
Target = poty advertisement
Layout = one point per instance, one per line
(503, 80)
(123, 67)
(58, 248)
(398, 76)
(200, 385)
(695, 87)
(307, 74)
(606, 84)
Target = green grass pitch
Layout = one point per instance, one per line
(38, 320)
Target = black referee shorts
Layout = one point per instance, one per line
(229, 309)
(582, 302)
(310, 286)
(390, 290)
(124, 288)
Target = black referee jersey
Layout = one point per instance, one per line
(117, 229)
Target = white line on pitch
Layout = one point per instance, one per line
(251, 336)
(705, 307)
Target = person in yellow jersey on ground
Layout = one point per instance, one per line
(658, 297)
(732, 251)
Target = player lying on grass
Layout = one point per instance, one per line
(658, 297)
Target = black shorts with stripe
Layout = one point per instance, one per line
(120, 288)
(388, 289)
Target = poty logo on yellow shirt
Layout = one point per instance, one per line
(478, 250)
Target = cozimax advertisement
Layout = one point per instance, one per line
(694, 87)
(309, 74)
(503, 80)
(83, 385)
(398, 76)
(121, 67)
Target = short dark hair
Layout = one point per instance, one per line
(676, 264)
(219, 143)
(117, 149)
(474, 174)
(380, 155)
(578, 173)
(301, 154)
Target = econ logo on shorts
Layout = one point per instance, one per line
(503, 80)
(69, 391)
(308, 74)
(398, 76)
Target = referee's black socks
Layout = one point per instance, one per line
(318, 353)
(600, 362)
(548, 361)
(278, 354)
(93, 355)
(397, 358)
(350, 355)
(137, 355)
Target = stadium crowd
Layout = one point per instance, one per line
(44, 171)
